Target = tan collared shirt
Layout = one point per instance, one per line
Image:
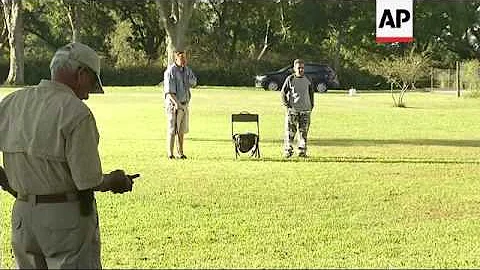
(49, 140)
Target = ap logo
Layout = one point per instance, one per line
(394, 21)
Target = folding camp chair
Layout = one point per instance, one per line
(246, 142)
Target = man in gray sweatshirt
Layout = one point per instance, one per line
(297, 96)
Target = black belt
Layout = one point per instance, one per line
(184, 103)
(51, 198)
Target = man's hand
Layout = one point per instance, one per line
(192, 81)
(118, 182)
(173, 100)
(133, 176)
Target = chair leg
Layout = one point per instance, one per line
(236, 151)
(256, 152)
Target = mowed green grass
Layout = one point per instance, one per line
(384, 187)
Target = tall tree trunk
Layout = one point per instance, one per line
(3, 36)
(232, 51)
(73, 12)
(338, 45)
(220, 31)
(175, 16)
(265, 42)
(395, 104)
(282, 22)
(14, 21)
(3, 29)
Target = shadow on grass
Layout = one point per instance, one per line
(363, 159)
(372, 142)
(367, 142)
(360, 159)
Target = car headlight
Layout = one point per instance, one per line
(260, 77)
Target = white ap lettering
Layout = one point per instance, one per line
(402, 15)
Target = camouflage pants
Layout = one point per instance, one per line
(296, 121)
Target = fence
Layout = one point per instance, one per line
(444, 79)
(465, 76)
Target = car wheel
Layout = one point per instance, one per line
(321, 88)
(273, 86)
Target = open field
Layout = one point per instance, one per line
(383, 187)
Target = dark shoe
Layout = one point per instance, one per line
(171, 157)
(288, 154)
(182, 157)
(302, 154)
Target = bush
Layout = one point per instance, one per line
(235, 73)
(471, 77)
(360, 79)
(132, 76)
(36, 70)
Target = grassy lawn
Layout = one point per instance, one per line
(384, 187)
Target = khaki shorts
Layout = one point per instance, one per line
(177, 121)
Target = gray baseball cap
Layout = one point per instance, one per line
(84, 55)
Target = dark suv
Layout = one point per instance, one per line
(322, 76)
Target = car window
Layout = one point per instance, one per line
(315, 69)
(309, 69)
(285, 69)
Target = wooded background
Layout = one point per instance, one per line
(228, 41)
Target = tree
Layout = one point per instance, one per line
(443, 28)
(343, 17)
(175, 17)
(402, 71)
(124, 56)
(74, 16)
(471, 78)
(3, 30)
(146, 33)
(472, 35)
(247, 30)
(48, 26)
(14, 22)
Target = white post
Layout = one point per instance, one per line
(352, 91)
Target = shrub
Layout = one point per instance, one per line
(360, 79)
(130, 76)
(471, 77)
(236, 73)
(400, 70)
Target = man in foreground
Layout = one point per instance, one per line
(49, 141)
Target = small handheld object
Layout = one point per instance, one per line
(133, 176)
